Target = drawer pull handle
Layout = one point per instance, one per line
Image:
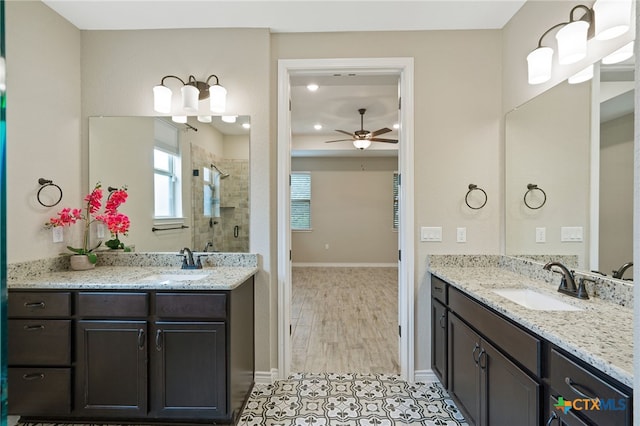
(473, 354)
(482, 359)
(574, 387)
(141, 339)
(438, 289)
(33, 376)
(34, 327)
(159, 340)
(34, 305)
(553, 417)
(442, 324)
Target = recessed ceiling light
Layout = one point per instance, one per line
(312, 87)
(317, 126)
(246, 125)
(396, 126)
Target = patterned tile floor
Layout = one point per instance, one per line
(349, 399)
(327, 399)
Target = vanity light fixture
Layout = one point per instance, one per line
(179, 119)
(622, 54)
(607, 19)
(229, 118)
(204, 118)
(192, 92)
(582, 76)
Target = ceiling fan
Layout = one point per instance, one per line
(362, 138)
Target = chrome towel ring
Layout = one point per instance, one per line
(45, 183)
(531, 187)
(473, 187)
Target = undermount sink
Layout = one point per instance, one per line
(160, 278)
(531, 299)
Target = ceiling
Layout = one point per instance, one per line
(335, 104)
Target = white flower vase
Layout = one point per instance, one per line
(80, 262)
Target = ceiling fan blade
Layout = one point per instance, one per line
(346, 133)
(384, 140)
(339, 140)
(380, 131)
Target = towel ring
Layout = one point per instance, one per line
(473, 187)
(530, 188)
(44, 183)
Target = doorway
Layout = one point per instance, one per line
(403, 68)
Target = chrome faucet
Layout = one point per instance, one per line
(620, 272)
(568, 283)
(209, 244)
(187, 261)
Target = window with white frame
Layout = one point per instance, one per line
(166, 171)
(301, 201)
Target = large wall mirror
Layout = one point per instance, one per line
(569, 173)
(188, 183)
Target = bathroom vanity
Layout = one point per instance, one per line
(128, 344)
(504, 363)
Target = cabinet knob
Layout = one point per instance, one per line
(473, 354)
(34, 305)
(141, 339)
(34, 327)
(159, 340)
(574, 387)
(442, 324)
(33, 376)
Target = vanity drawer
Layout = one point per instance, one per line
(574, 382)
(191, 305)
(439, 289)
(113, 304)
(523, 347)
(39, 342)
(39, 304)
(34, 391)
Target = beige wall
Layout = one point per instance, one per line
(43, 124)
(351, 212)
(616, 194)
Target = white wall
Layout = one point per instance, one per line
(351, 212)
(43, 124)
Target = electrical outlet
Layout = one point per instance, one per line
(58, 235)
(461, 235)
(541, 235)
(100, 231)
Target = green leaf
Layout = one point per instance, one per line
(76, 250)
(92, 258)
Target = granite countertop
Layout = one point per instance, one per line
(601, 334)
(137, 278)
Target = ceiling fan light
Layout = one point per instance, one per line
(161, 99)
(190, 96)
(572, 42)
(362, 143)
(217, 99)
(539, 65)
(622, 54)
(612, 18)
(582, 76)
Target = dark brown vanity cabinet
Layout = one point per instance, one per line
(39, 357)
(138, 356)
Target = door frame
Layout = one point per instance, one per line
(403, 67)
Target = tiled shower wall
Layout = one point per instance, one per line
(234, 202)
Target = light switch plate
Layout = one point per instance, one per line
(431, 233)
(58, 235)
(461, 235)
(541, 235)
(571, 234)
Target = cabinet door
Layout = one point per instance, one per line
(559, 417)
(510, 396)
(188, 364)
(111, 370)
(464, 377)
(439, 340)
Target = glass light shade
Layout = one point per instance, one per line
(572, 42)
(204, 118)
(582, 76)
(246, 125)
(362, 143)
(612, 18)
(622, 54)
(190, 98)
(218, 99)
(539, 65)
(161, 99)
(229, 118)
(179, 119)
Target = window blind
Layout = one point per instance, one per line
(301, 200)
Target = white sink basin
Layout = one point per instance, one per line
(162, 278)
(531, 299)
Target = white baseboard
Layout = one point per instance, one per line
(266, 377)
(343, 265)
(425, 376)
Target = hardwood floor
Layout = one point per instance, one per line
(345, 320)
